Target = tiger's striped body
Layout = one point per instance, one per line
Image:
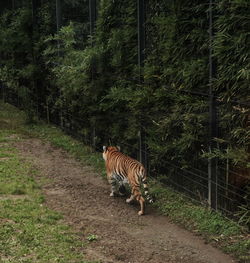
(121, 169)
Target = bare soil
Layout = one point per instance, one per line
(82, 196)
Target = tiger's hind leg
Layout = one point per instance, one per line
(141, 200)
(136, 194)
(113, 185)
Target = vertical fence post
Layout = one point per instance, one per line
(92, 21)
(143, 155)
(47, 110)
(141, 36)
(58, 27)
(58, 15)
(227, 172)
(140, 146)
(212, 162)
(92, 17)
(2, 88)
(8, 90)
(34, 60)
(141, 58)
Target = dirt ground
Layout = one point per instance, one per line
(82, 196)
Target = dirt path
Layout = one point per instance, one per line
(83, 198)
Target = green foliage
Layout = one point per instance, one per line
(244, 210)
(14, 43)
(231, 50)
(232, 38)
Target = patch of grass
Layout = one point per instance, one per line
(13, 173)
(12, 182)
(30, 232)
(239, 247)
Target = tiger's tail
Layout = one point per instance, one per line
(145, 186)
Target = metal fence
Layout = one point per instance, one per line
(209, 181)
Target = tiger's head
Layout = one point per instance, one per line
(108, 149)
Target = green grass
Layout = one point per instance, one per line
(29, 231)
(13, 171)
(214, 227)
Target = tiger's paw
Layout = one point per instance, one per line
(140, 213)
(112, 194)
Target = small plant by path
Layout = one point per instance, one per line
(92, 237)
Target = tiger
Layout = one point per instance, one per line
(123, 169)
